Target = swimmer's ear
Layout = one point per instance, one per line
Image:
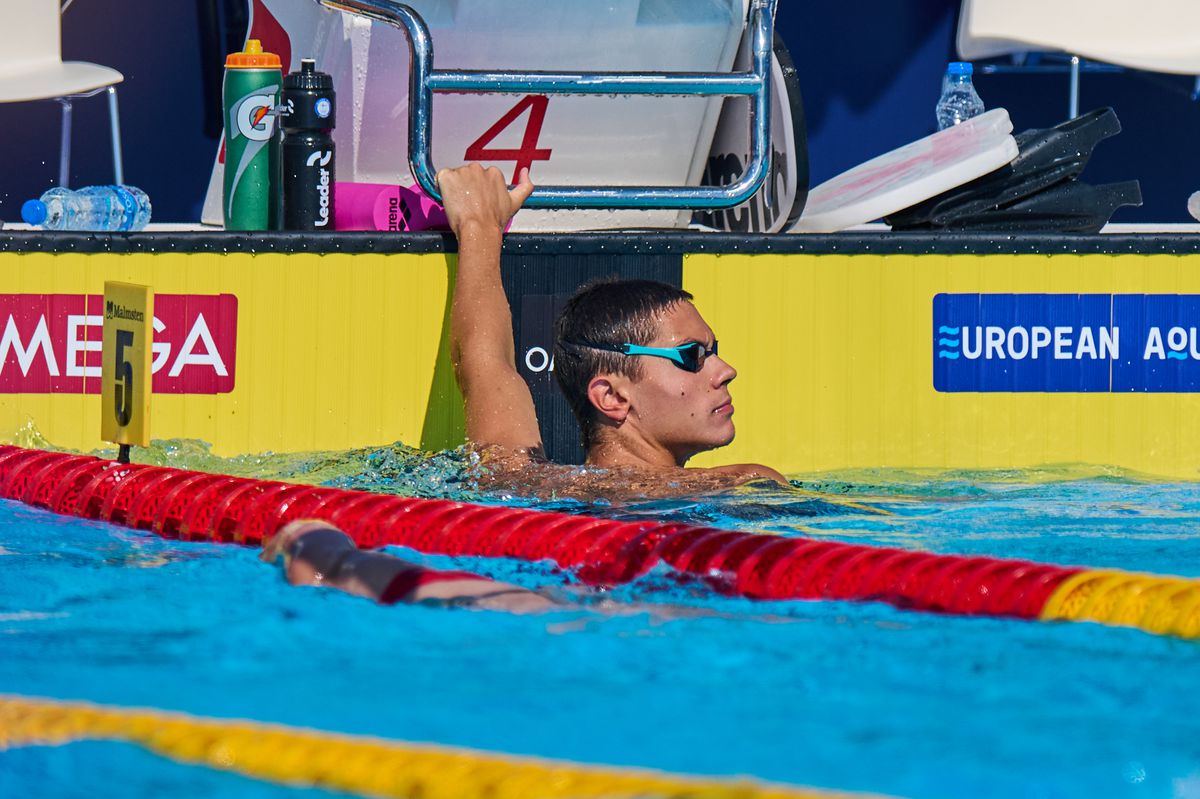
(608, 395)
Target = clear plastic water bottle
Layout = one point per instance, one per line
(959, 101)
(101, 208)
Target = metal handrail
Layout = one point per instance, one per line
(424, 81)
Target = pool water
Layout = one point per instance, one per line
(860, 697)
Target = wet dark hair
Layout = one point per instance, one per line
(606, 312)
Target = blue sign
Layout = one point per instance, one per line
(1066, 342)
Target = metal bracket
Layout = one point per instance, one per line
(424, 80)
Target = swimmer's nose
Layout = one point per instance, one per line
(723, 373)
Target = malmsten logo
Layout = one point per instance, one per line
(114, 311)
(1066, 342)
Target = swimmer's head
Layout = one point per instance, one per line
(670, 396)
(611, 311)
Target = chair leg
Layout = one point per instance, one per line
(1073, 100)
(64, 152)
(114, 119)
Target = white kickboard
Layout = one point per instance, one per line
(909, 174)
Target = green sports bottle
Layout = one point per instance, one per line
(251, 93)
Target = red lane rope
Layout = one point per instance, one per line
(176, 503)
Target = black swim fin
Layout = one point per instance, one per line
(1007, 199)
(1070, 207)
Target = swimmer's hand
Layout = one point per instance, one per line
(474, 196)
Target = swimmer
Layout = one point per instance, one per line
(635, 359)
(317, 553)
(637, 363)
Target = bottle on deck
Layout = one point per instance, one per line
(959, 101)
(113, 209)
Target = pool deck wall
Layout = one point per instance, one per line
(278, 342)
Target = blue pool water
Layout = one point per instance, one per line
(837, 695)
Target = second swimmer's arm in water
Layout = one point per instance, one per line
(316, 553)
(499, 408)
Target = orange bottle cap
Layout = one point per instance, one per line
(252, 57)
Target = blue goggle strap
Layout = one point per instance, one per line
(672, 353)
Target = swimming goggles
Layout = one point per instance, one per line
(688, 357)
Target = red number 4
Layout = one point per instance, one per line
(529, 151)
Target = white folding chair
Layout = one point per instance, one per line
(1152, 35)
(31, 68)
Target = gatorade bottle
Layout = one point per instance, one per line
(308, 176)
(251, 92)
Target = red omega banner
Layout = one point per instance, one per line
(50, 343)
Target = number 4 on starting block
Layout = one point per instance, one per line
(125, 374)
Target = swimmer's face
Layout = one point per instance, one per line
(684, 412)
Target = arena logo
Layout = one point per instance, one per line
(51, 343)
(755, 215)
(1066, 342)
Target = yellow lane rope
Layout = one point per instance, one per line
(1162, 605)
(354, 764)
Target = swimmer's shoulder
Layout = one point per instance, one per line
(749, 472)
(501, 457)
(529, 472)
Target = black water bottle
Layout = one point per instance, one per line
(307, 120)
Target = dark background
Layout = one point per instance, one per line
(870, 73)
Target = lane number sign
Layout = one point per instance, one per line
(125, 374)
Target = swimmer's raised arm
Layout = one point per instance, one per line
(499, 407)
